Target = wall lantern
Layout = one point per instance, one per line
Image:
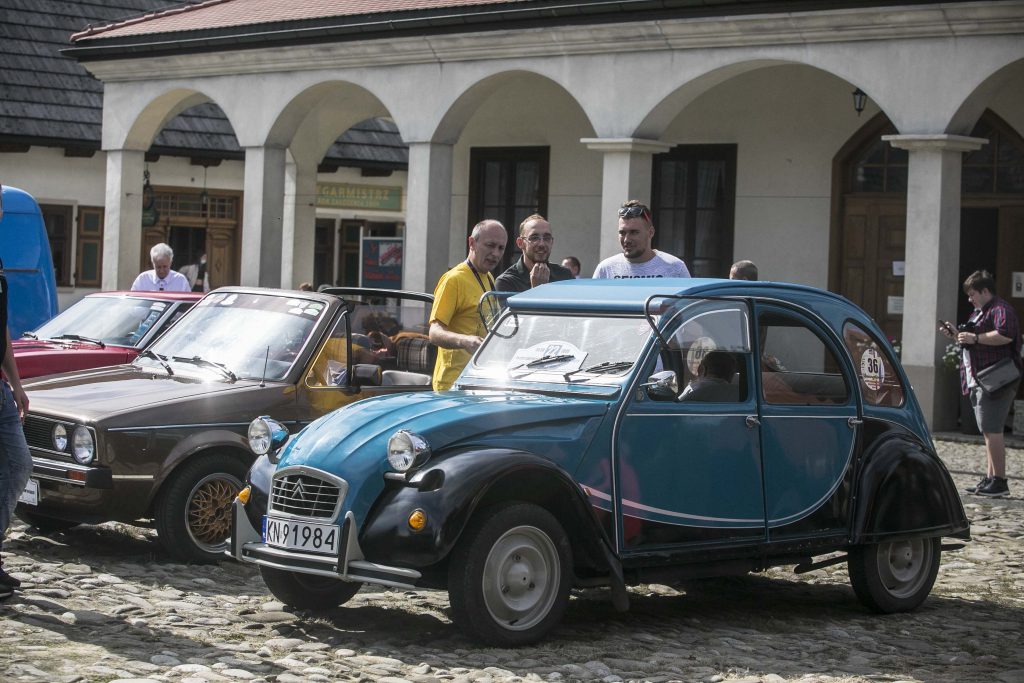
(860, 98)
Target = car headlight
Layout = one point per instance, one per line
(60, 437)
(266, 434)
(407, 450)
(82, 445)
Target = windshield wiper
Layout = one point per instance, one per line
(159, 359)
(78, 337)
(603, 368)
(29, 335)
(197, 360)
(544, 360)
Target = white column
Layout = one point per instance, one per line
(122, 231)
(428, 215)
(627, 175)
(931, 284)
(263, 216)
(298, 232)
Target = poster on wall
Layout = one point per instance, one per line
(380, 262)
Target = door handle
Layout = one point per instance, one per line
(854, 422)
(752, 421)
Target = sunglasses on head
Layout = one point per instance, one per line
(634, 211)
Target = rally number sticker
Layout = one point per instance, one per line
(872, 371)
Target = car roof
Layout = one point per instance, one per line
(629, 295)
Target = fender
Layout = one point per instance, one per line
(451, 488)
(898, 469)
(222, 439)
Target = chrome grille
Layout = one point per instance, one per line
(305, 495)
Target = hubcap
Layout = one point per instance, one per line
(521, 578)
(209, 510)
(903, 565)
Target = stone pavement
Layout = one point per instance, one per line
(103, 603)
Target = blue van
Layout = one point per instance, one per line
(25, 252)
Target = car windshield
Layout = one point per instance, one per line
(531, 347)
(123, 321)
(239, 335)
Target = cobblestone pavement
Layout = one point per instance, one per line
(103, 603)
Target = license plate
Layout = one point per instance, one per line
(30, 496)
(293, 535)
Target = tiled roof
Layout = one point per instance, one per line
(214, 14)
(51, 100)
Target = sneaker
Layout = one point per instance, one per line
(995, 488)
(980, 484)
(8, 581)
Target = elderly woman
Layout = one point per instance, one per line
(991, 334)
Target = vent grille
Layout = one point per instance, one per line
(304, 495)
(39, 432)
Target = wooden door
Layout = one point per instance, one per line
(874, 235)
(1010, 256)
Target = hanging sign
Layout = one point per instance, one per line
(352, 196)
(380, 262)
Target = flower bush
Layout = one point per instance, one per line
(951, 358)
(897, 346)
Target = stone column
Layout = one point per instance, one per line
(263, 216)
(299, 229)
(627, 175)
(122, 233)
(931, 283)
(428, 215)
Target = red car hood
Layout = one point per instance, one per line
(42, 357)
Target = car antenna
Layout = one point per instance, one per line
(263, 380)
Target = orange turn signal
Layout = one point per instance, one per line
(417, 520)
(243, 495)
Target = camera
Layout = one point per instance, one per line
(966, 327)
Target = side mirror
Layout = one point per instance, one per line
(662, 386)
(366, 374)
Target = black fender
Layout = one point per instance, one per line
(259, 480)
(450, 488)
(904, 490)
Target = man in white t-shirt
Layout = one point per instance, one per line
(161, 278)
(638, 258)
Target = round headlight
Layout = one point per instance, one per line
(60, 438)
(82, 445)
(259, 436)
(266, 434)
(407, 450)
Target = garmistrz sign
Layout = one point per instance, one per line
(351, 196)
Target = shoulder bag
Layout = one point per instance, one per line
(996, 376)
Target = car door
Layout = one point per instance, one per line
(688, 466)
(810, 417)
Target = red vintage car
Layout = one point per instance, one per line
(107, 328)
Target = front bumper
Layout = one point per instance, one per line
(246, 545)
(71, 473)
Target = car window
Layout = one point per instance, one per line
(254, 336)
(876, 374)
(389, 332)
(710, 353)
(112, 320)
(797, 366)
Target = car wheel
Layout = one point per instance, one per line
(895, 576)
(193, 510)
(306, 591)
(42, 522)
(509, 575)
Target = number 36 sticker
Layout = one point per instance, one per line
(872, 372)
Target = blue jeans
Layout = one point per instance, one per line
(15, 461)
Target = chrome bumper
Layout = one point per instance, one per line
(246, 545)
(71, 473)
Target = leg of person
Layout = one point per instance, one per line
(15, 468)
(993, 409)
(975, 396)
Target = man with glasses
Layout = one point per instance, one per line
(161, 278)
(15, 460)
(638, 259)
(532, 268)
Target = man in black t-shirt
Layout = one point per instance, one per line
(532, 268)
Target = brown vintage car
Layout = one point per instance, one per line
(165, 437)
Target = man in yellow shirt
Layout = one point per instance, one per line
(455, 325)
